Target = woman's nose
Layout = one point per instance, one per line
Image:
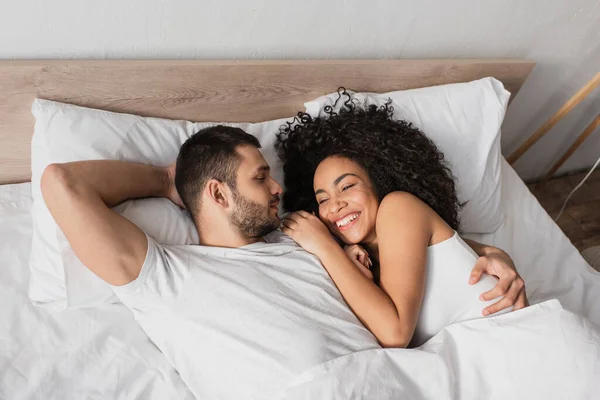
(336, 206)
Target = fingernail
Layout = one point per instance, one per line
(472, 280)
(486, 312)
(481, 298)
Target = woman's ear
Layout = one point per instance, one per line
(217, 193)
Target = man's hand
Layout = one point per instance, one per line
(510, 285)
(172, 193)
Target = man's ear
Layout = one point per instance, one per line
(218, 193)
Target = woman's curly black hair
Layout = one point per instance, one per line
(396, 156)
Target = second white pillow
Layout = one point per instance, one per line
(464, 121)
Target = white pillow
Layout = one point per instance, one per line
(464, 121)
(65, 133)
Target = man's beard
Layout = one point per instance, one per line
(251, 219)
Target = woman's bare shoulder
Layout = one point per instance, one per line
(403, 206)
(401, 202)
(405, 210)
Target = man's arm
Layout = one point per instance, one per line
(496, 262)
(480, 248)
(79, 196)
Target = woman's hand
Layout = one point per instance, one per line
(361, 259)
(308, 231)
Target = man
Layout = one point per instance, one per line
(246, 310)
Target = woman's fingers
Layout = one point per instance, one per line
(364, 259)
(295, 218)
(356, 252)
(361, 257)
(292, 217)
(303, 214)
(289, 223)
(364, 270)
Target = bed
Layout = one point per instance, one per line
(101, 352)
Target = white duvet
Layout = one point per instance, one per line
(541, 352)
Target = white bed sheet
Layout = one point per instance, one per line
(102, 353)
(80, 354)
(546, 259)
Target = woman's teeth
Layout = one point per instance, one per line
(346, 220)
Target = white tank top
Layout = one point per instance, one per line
(448, 296)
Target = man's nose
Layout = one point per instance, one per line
(276, 190)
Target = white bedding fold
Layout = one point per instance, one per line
(541, 352)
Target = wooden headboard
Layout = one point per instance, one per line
(230, 91)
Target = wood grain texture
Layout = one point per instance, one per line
(231, 91)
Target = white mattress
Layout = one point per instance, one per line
(102, 353)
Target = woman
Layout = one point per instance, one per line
(382, 188)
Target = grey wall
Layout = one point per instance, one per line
(562, 36)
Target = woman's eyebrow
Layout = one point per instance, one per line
(336, 181)
(339, 178)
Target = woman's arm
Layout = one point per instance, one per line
(373, 307)
(404, 231)
(405, 228)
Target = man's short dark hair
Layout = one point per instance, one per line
(211, 153)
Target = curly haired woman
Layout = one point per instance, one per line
(382, 188)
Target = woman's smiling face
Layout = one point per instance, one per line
(347, 200)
